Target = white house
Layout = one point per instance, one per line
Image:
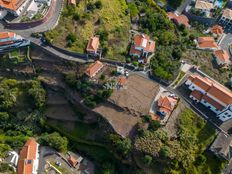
(211, 94)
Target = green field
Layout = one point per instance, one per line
(111, 19)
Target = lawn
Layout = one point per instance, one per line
(111, 18)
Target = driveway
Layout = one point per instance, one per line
(225, 43)
(182, 7)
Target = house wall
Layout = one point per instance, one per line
(36, 161)
(21, 8)
(211, 107)
(226, 114)
(193, 98)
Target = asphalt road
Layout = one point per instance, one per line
(48, 25)
(225, 43)
(182, 7)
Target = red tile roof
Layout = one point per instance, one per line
(134, 51)
(182, 19)
(217, 29)
(143, 40)
(213, 102)
(11, 4)
(166, 104)
(93, 44)
(196, 94)
(207, 42)
(27, 157)
(73, 161)
(213, 88)
(94, 68)
(222, 55)
(122, 81)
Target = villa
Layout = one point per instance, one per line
(226, 18)
(29, 158)
(212, 95)
(179, 20)
(217, 30)
(206, 43)
(222, 57)
(93, 69)
(93, 45)
(142, 46)
(14, 6)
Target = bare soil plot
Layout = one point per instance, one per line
(137, 96)
(122, 122)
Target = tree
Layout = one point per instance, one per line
(38, 94)
(147, 160)
(98, 4)
(71, 79)
(133, 9)
(154, 125)
(71, 37)
(123, 145)
(4, 116)
(55, 140)
(165, 152)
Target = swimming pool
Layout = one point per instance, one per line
(219, 3)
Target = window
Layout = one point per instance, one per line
(226, 113)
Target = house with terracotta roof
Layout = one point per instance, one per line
(204, 5)
(122, 81)
(14, 6)
(93, 45)
(72, 2)
(94, 68)
(29, 158)
(73, 161)
(166, 105)
(179, 20)
(226, 18)
(211, 94)
(142, 46)
(206, 43)
(222, 57)
(217, 30)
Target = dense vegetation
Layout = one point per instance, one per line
(91, 93)
(171, 40)
(184, 154)
(21, 105)
(108, 19)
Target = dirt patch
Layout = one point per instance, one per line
(137, 96)
(123, 123)
(170, 127)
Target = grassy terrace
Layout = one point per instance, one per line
(110, 19)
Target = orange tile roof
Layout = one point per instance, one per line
(73, 161)
(214, 89)
(221, 93)
(134, 51)
(196, 94)
(213, 102)
(11, 4)
(202, 82)
(143, 40)
(166, 104)
(122, 81)
(27, 157)
(222, 55)
(217, 29)
(92, 69)
(207, 42)
(182, 19)
(93, 44)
